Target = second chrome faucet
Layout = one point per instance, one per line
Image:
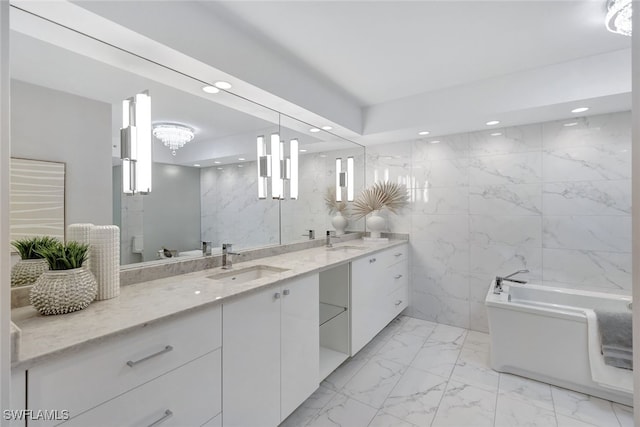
(227, 254)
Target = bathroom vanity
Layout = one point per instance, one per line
(243, 347)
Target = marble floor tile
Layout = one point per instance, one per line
(343, 411)
(477, 341)
(624, 414)
(421, 328)
(463, 405)
(565, 421)
(472, 367)
(437, 358)
(526, 390)
(341, 376)
(371, 349)
(401, 348)
(386, 420)
(309, 408)
(516, 413)
(372, 383)
(448, 334)
(584, 408)
(416, 397)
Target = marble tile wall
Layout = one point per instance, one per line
(547, 197)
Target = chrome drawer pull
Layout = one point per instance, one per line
(167, 414)
(399, 302)
(398, 276)
(167, 349)
(286, 292)
(398, 254)
(372, 260)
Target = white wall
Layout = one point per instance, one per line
(51, 125)
(552, 199)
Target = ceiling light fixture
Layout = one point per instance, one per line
(327, 127)
(223, 85)
(197, 165)
(217, 162)
(492, 122)
(173, 135)
(580, 110)
(210, 89)
(496, 134)
(437, 141)
(570, 124)
(424, 132)
(302, 150)
(618, 19)
(314, 130)
(241, 158)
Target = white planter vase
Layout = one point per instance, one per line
(63, 291)
(376, 224)
(27, 271)
(339, 222)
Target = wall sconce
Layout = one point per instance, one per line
(277, 167)
(135, 144)
(344, 179)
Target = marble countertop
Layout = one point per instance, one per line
(143, 303)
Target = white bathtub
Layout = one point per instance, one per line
(541, 333)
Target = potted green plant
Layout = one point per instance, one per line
(31, 264)
(67, 286)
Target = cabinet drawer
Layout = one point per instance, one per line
(397, 276)
(94, 375)
(394, 255)
(397, 301)
(187, 396)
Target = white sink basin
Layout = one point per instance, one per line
(246, 274)
(346, 248)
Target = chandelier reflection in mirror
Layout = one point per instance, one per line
(275, 165)
(135, 144)
(173, 135)
(618, 19)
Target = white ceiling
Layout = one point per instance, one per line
(379, 51)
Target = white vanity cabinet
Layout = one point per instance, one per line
(270, 353)
(379, 292)
(136, 378)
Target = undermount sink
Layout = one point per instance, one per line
(246, 274)
(346, 248)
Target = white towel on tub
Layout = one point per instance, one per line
(607, 376)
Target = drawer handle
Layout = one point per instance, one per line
(167, 414)
(277, 295)
(399, 302)
(398, 254)
(286, 292)
(167, 349)
(372, 260)
(398, 276)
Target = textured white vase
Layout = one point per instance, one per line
(105, 260)
(339, 222)
(376, 224)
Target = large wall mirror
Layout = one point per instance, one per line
(67, 94)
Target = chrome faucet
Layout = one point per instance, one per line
(499, 279)
(226, 256)
(328, 239)
(311, 234)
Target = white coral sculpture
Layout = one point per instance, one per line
(331, 203)
(380, 195)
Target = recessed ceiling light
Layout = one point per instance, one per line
(196, 165)
(302, 150)
(580, 110)
(496, 134)
(323, 155)
(241, 158)
(492, 122)
(424, 132)
(327, 127)
(216, 162)
(570, 124)
(210, 89)
(240, 166)
(220, 169)
(437, 141)
(223, 85)
(314, 130)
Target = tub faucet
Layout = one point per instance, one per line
(226, 256)
(499, 279)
